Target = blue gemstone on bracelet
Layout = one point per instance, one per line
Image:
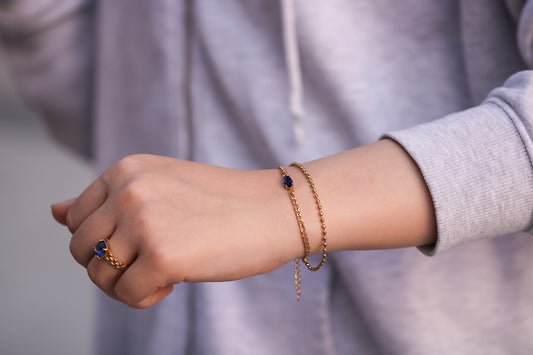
(100, 248)
(287, 181)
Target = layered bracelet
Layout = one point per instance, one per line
(289, 186)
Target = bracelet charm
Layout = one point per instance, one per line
(288, 184)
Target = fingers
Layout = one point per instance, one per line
(114, 208)
(141, 285)
(60, 209)
(138, 286)
(99, 225)
(102, 272)
(89, 200)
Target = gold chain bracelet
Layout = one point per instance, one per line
(288, 183)
(322, 221)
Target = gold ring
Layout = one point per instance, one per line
(103, 252)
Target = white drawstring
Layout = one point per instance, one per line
(292, 57)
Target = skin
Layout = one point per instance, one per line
(177, 221)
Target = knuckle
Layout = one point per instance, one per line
(92, 272)
(75, 249)
(159, 256)
(123, 168)
(133, 194)
(70, 222)
(123, 295)
(120, 295)
(72, 228)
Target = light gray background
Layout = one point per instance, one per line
(46, 299)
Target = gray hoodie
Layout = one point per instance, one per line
(207, 80)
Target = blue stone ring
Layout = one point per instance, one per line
(103, 252)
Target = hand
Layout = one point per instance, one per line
(172, 221)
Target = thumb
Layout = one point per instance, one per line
(60, 209)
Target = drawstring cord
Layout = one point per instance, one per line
(292, 58)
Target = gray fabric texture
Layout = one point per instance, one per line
(206, 80)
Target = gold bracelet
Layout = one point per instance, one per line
(322, 221)
(288, 183)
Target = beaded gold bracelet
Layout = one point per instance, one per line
(288, 183)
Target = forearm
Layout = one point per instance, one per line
(171, 220)
(374, 197)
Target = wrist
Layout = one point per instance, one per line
(285, 233)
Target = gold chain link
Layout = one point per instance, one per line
(108, 256)
(322, 221)
(301, 227)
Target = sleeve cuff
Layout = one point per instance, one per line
(478, 173)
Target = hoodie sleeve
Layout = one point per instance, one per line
(478, 163)
(48, 46)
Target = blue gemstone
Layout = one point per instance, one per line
(100, 248)
(287, 181)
